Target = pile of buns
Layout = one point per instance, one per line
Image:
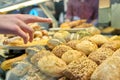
(90, 57)
(87, 58)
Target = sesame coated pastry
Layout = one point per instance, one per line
(100, 55)
(80, 69)
(60, 50)
(114, 45)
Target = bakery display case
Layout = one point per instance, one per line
(77, 50)
(65, 55)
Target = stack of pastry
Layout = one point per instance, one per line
(76, 24)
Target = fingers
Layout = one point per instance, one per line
(22, 34)
(26, 29)
(30, 19)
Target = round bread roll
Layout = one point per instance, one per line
(114, 45)
(73, 43)
(60, 50)
(80, 69)
(108, 70)
(71, 55)
(99, 39)
(52, 65)
(86, 46)
(36, 57)
(100, 55)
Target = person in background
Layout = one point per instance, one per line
(17, 24)
(83, 9)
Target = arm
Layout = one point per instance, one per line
(17, 24)
(69, 13)
(95, 15)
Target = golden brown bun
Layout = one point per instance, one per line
(73, 43)
(72, 55)
(108, 70)
(100, 55)
(86, 46)
(99, 39)
(52, 65)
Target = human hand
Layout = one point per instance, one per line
(17, 24)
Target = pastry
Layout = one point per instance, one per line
(80, 69)
(60, 50)
(61, 34)
(52, 65)
(6, 65)
(73, 43)
(65, 25)
(100, 55)
(72, 55)
(99, 39)
(115, 38)
(114, 45)
(108, 70)
(36, 57)
(86, 46)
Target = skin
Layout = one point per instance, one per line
(17, 24)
